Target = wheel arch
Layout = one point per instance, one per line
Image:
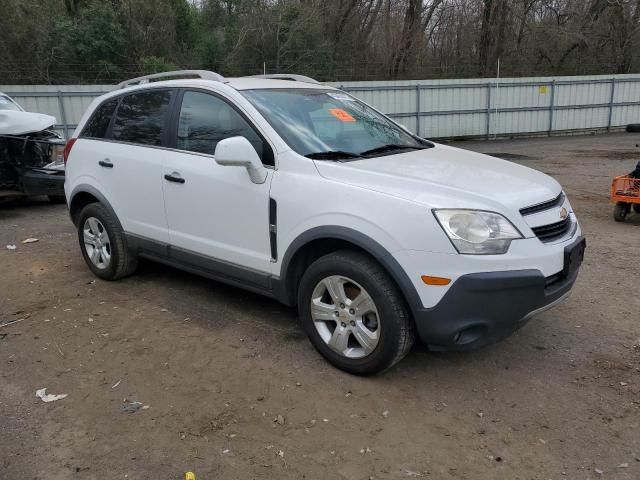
(319, 241)
(82, 196)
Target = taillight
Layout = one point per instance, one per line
(67, 149)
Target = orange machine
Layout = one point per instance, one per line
(625, 191)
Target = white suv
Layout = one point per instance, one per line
(301, 192)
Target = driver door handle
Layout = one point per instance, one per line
(174, 177)
(106, 163)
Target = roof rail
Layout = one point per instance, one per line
(203, 74)
(287, 76)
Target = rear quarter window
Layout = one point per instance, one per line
(142, 118)
(98, 124)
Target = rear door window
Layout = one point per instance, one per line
(98, 124)
(206, 119)
(142, 118)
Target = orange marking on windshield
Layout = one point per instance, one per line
(341, 115)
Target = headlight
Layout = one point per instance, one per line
(476, 232)
(55, 155)
(56, 148)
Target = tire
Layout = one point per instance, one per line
(57, 198)
(620, 212)
(121, 261)
(633, 128)
(385, 316)
(636, 207)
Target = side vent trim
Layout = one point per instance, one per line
(273, 229)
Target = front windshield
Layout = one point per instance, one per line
(330, 125)
(7, 104)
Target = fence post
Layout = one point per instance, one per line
(418, 110)
(552, 106)
(65, 126)
(488, 110)
(611, 103)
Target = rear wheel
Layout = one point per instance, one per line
(354, 314)
(636, 207)
(103, 243)
(620, 211)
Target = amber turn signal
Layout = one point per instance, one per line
(437, 281)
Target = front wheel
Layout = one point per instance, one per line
(354, 314)
(636, 207)
(620, 211)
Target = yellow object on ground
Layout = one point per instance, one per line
(189, 476)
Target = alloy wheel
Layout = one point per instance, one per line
(97, 243)
(345, 316)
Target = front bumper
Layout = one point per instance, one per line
(37, 182)
(483, 308)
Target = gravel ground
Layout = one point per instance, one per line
(234, 389)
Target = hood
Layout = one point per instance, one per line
(22, 123)
(447, 177)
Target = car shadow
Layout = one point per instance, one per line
(14, 207)
(217, 304)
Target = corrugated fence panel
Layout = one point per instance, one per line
(435, 108)
(626, 90)
(583, 94)
(582, 119)
(626, 115)
(507, 123)
(442, 126)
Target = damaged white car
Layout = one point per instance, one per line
(30, 154)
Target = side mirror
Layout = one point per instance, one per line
(238, 152)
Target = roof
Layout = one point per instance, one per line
(252, 83)
(237, 83)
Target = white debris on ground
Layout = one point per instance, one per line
(48, 397)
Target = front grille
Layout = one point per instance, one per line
(553, 231)
(541, 207)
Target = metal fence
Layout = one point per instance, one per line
(437, 108)
(509, 107)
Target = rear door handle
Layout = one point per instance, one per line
(106, 163)
(174, 177)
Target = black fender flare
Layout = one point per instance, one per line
(366, 243)
(85, 188)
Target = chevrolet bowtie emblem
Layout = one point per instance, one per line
(563, 213)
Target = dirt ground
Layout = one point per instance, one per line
(235, 391)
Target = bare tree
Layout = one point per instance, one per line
(332, 39)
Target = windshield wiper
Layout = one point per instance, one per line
(332, 155)
(390, 148)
